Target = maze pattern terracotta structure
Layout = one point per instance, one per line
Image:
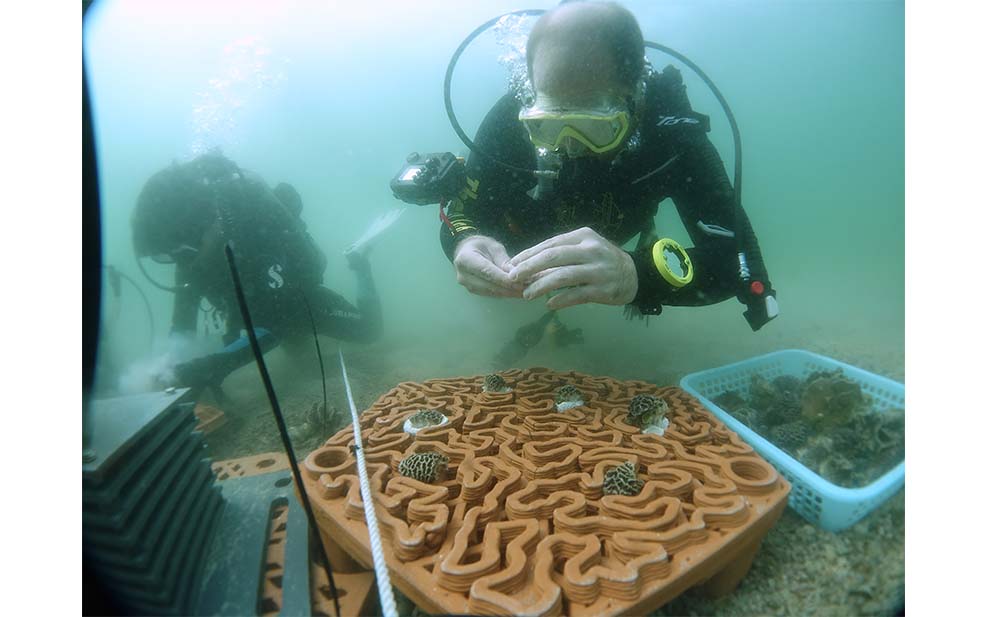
(274, 563)
(250, 465)
(520, 524)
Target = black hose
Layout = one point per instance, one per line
(723, 103)
(279, 419)
(744, 235)
(147, 304)
(449, 80)
(160, 286)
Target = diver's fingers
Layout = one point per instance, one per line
(553, 279)
(552, 257)
(500, 257)
(482, 287)
(475, 259)
(492, 273)
(572, 237)
(571, 297)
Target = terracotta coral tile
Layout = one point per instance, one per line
(354, 589)
(520, 523)
(274, 563)
(210, 418)
(250, 465)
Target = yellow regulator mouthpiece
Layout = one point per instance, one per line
(672, 262)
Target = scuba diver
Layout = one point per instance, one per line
(186, 214)
(610, 139)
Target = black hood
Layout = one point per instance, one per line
(178, 203)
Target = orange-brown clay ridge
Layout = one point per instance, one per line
(514, 517)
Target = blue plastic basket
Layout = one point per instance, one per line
(825, 504)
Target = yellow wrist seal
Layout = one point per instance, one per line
(672, 262)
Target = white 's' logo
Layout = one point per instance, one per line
(274, 273)
(671, 120)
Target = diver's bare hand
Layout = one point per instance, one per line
(585, 266)
(481, 267)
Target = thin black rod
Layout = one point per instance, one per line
(315, 338)
(279, 418)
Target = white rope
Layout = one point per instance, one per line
(388, 608)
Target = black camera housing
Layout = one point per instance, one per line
(429, 178)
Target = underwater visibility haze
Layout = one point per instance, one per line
(331, 97)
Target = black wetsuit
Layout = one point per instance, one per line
(281, 269)
(669, 156)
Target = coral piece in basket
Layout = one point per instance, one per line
(524, 520)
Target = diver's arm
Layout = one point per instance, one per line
(462, 216)
(714, 279)
(212, 369)
(703, 194)
(449, 240)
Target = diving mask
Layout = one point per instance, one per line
(598, 130)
